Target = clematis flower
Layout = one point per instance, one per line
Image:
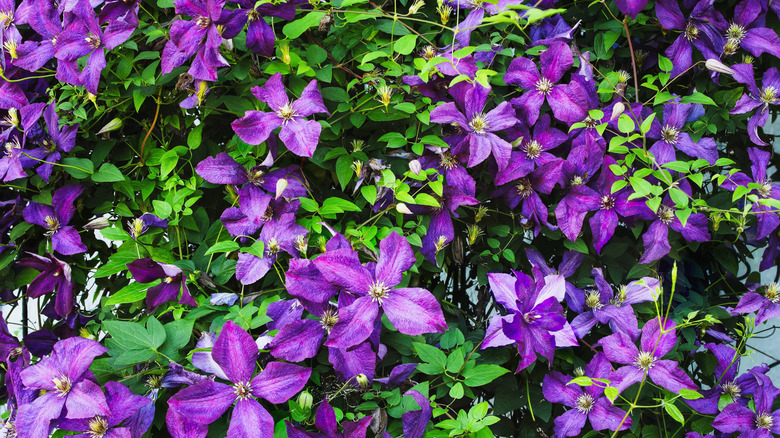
(122, 405)
(299, 135)
(413, 311)
(697, 28)
(55, 218)
(647, 362)
(441, 230)
(747, 30)
(54, 141)
(673, 137)
(570, 262)
(755, 98)
(139, 225)
(235, 353)
(325, 422)
(114, 10)
(68, 385)
(567, 105)
(533, 147)
(84, 36)
(535, 322)
(768, 220)
(415, 421)
(550, 30)
(437, 84)
(766, 305)
(173, 281)
(726, 381)
(763, 422)
(200, 37)
(54, 275)
(11, 167)
(607, 308)
(588, 402)
(46, 22)
(278, 235)
(480, 139)
(260, 37)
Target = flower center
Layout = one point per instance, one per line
(531, 316)
(447, 161)
(52, 223)
(203, 22)
(273, 246)
(585, 403)
(252, 15)
(735, 32)
(286, 112)
(577, 180)
(730, 47)
(6, 18)
(590, 122)
(301, 244)
(93, 40)
(691, 32)
(478, 124)
(169, 280)
(765, 190)
(543, 85)
(620, 297)
(98, 426)
(62, 385)
(670, 134)
(732, 389)
(623, 76)
(379, 292)
(524, 188)
(533, 149)
(593, 300)
(768, 94)
(243, 390)
(137, 226)
(49, 144)
(645, 360)
(429, 52)
(772, 292)
(607, 202)
(441, 242)
(329, 318)
(764, 421)
(665, 214)
(10, 46)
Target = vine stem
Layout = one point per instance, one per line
(633, 60)
(154, 122)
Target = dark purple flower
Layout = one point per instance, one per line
(46, 22)
(173, 281)
(480, 139)
(698, 28)
(747, 30)
(535, 322)
(11, 167)
(755, 98)
(235, 353)
(647, 362)
(299, 135)
(550, 30)
(567, 105)
(441, 230)
(766, 306)
(768, 220)
(278, 235)
(632, 8)
(325, 422)
(55, 218)
(763, 422)
(54, 275)
(398, 375)
(114, 10)
(260, 37)
(588, 402)
(673, 137)
(413, 311)
(414, 422)
(122, 404)
(84, 36)
(139, 225)
(54, 141)
(68, 384)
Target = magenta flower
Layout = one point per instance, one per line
(54, 275)
(647, 362)
(588, 402)
(673, 137)
(173, 281)
(277, 235)
(480, 139)
(54, 141)
(68, 384)
(55, 218)
(260, 37)
(699, 28)
(761, 423)
(413, 311)
(755, 98)
(235, 353)
(299, 135)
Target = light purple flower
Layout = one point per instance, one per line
(767, 305)
(761, 423)
(122, 404)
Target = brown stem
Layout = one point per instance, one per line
(154, 122)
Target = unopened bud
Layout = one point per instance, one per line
(113, 125)
(717, 66)
(84, 333)
(305, 400)
(97, 224)
(321, 242)
(415, 167)
(285, 49)
(617, 110)
(281, 185)
(362, 380)
(402, 208)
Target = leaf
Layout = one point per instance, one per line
(339, 204)
(131, 293)
(133, 336)
(223, 246)
(108, 173)
(626, 124)
(581, 381)
(483, 374)
(195, 137)
(697, 98)
(456, 391)
(296, 28)
(369, 192)
(115, 233)
(177, 336)
(612, 393)
(405, 44)
(344, 170)
(690, 394)
(78, 168)
(673, 410)
(431, 354)
(664, 63)
(426, 199)
(168, 162)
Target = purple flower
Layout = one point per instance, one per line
(122, 404)
(54, 141)
(68, 384)
(673, 137)
(480, 139)
(763, 422)
(748, 31)
(234, 354)
(413, 311)
(441, 230)
(325, 422)
(647, 362)
(632, 8)
(698, 28)
(755, 98)
(260, 37)
(588, 402)
(768, 220)
(278, 235)
(54, 275)
(767, 305)
(173, 281)
(55, 218)
(11, 161)
(535, 322)
(567, 104)
(570, 262)
(138, 226)
(84, 36)
(46, 22)
(299, 135)
(114, 10)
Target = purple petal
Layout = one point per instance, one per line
(653, 340)
(619, 348)
(395, 258)
(570, 423)
(255, 127)
(356, 323)
(556, 61)
(605, 416)
(181, 427)
(279, 382)
(250, 419)
(342, 267)
(556, 389)
(414, 311)
(86, 400)
(235, 352)
(222, 169)
(203, 403)
(300, 136)
(251, 268)
(667, 374)
(656, 242)
(298, 340)
(414, 422)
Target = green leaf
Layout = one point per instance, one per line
(223, 246)
(115, 233)
(407, 107)
(581, 381)
(483, 374)
(108, 173)
(698, 98)
(690, 394)
(673, 410)
(664, 63)
(168, 162)
(195, 137)
(431, 354)
(405, 44)
(612, 393)
(456, 391)
(344, 170)
(626, 124)
(646, 123)
(177, 335)
(640, 186)
(133, 336)
(296, 28)
(341, 204)
(131, 293)
(426, 199)
(78, 168)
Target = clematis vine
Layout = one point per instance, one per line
(761, 423)
(299, 135)
(55, 275)
(173, 281)
(768, 220)
(55, 218)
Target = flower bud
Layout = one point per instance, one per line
(617, 110)
(281, 185)
(362, 380)
(97, 224)
(414, 8)
(717, 66)
(415, 167)
(402, 208)
(305, 400)
(113, 125)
